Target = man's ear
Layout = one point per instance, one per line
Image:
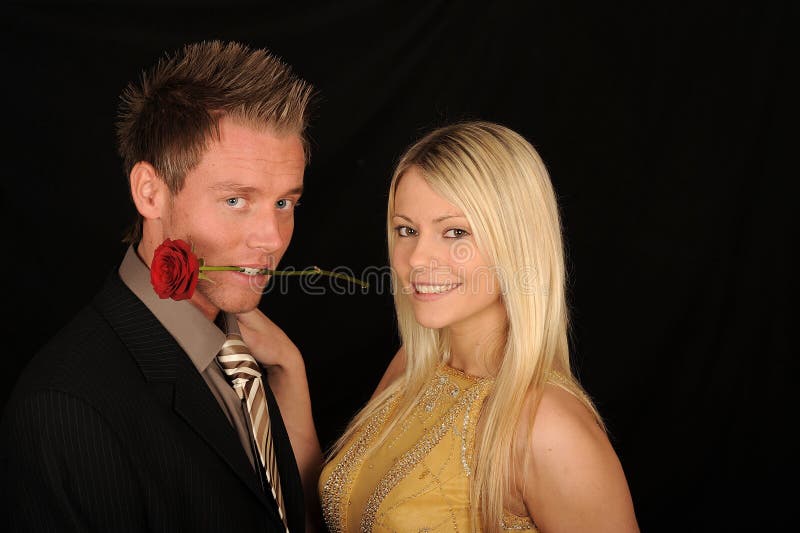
(148, 190)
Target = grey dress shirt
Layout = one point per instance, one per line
(200, 338)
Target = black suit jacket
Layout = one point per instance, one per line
(111, 428)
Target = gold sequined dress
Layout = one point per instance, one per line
(418, 480)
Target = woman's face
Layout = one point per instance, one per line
(439, 267)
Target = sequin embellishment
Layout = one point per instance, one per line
(406, 463)
(445, 414)
(338, 484)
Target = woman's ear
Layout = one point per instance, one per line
(149, 192)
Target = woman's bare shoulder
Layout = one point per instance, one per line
(563, 418)
(573, 476)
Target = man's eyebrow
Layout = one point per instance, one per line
(297, 190)
(230, 186)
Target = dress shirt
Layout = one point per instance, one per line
(200, 338)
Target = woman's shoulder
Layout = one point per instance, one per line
(562, 417)
(572, 471)
(563, 429)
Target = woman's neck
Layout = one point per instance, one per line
(476, 348)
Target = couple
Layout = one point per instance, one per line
(150, 414)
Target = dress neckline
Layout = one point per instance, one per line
(447, 369)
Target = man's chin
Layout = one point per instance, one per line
(236, 309)
(234, 301)
(239, 305)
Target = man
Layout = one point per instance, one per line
(128, 419)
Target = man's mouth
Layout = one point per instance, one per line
(253, 271)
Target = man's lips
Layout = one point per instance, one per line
(250, 269)
(253, 269)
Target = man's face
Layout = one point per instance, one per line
(237, 208)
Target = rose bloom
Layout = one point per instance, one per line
(175, 270)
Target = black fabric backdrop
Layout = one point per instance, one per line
(665, 133)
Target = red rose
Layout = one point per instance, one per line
(175, 270)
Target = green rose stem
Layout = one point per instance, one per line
(267, 271)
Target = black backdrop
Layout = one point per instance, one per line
(663, 131)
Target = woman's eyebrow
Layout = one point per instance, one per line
(445, 217)
(436, 220)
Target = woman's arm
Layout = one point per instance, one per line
(286, 374)
(573, 479)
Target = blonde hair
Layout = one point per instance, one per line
(168, 117)
(500, 183)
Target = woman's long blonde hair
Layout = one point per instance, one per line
(499, 182)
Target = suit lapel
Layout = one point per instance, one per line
(161, 359)
(198, 407)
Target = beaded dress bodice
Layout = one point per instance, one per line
(418, 479)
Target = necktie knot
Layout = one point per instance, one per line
(237, 362)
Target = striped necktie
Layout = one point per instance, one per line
(245, 375)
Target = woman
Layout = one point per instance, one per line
(478, 423)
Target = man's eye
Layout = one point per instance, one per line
(285, 203)
(456, 233)
(237, 202)
(405, 231)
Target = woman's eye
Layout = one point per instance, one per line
(405, 231)
(237, 202)
(456, 233)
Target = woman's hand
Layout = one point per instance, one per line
(270, 346)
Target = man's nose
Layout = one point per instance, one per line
(266, 233)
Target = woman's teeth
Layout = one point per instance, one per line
(433, 289)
